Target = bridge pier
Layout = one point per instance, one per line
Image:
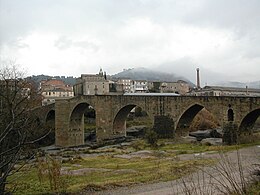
(164, 126)
(105, 114)
(230, 133)
(62, 133)
(69, 131)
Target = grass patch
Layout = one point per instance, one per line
(254, 188)
(88, 127)
(185, 148)
(195, 148)
(119, 171)
(136, 121)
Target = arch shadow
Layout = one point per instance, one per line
(49, 128)
(249, 120)
(186, 118)
(119, 122)
(230, 114)
(50, 118)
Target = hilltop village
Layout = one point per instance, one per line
(52, 88)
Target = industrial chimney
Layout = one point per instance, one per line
(198, 78)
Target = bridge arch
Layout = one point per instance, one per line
(50, 117)
(207, 119)
(49, 127)
(188, 115)
(76, 121)
(119, 122)
(249, 120)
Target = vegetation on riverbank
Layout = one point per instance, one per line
(74, 170)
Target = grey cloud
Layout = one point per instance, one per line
(183, 66)
(87, 45)
(65, 43)
(103, 19)
(241, 16)
(18, 18)
(252, 54)
(18, 44)
(81, 15)
(186, 66)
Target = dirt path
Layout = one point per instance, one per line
(206, 180)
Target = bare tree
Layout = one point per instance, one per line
(17, 98)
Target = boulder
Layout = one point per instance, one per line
(212, 141)
(210, 133)
(136, 131)
(189, 139)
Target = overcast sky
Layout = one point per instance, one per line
(71, 37)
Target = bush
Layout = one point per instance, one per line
(204, 120)
(151, 138)
(247, 138)
(138, 145)
(50, 169)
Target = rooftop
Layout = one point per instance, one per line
(152, 94)
(230, 89)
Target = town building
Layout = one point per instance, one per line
(126, 82)
(17, 85)
(179, 87)
(139, 86)
(92, 84)
(13, 88)
(225, 91)
(115, 88)
(53, 89)
(154, 86)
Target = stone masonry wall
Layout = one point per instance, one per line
(168, 108)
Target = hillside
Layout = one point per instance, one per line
(149, 75)
(67, 80)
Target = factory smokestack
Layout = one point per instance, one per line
(198, 78)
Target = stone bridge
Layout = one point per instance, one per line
(172, 113)
(45, 114)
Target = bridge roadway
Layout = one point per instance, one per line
(168, 113)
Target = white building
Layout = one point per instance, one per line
(139, 86)
(126, 82)
(54, 89)
(51, 95)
